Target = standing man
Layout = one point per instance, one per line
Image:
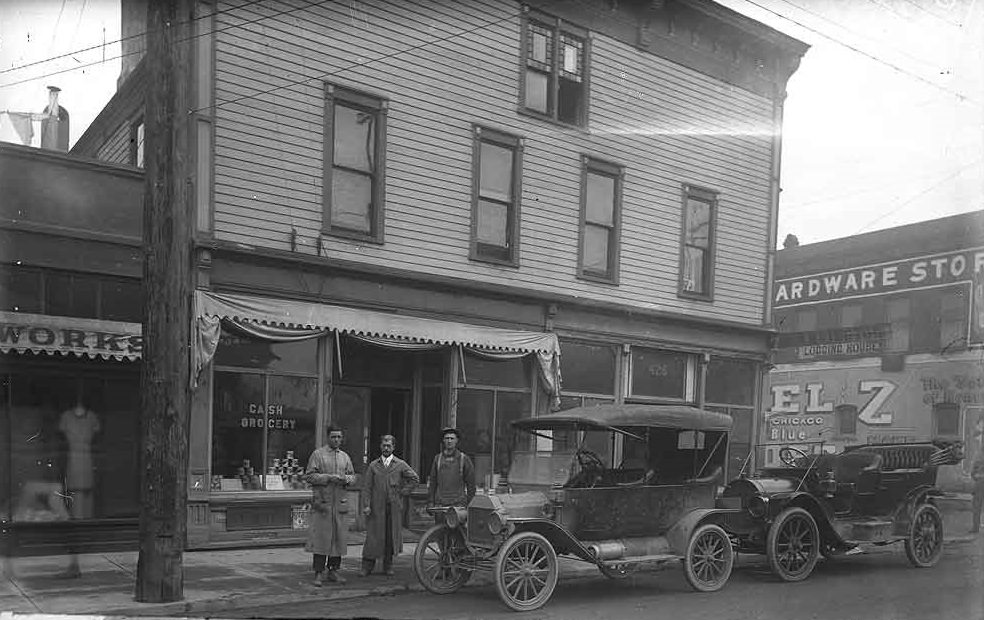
(388, 480)
(452, 475)
(977, 474)
(329, 471)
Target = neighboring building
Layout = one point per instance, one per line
(880, 340)
(434, 200)
(70, 269)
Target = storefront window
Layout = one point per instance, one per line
(588, 368)
(659, 374)
(73, 443)
(263, 420)
(731, 385)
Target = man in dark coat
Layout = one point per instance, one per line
(388, 479)
(977, 475)
(452, 475)
(329, 471)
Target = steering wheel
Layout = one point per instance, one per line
(789, 454)
(589, 461)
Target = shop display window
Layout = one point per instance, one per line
(263, 431)
(660, 374)
(264, 413)
(71, 443)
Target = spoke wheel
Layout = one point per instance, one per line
(793, 544)
(526, 571)
(437, 560)
(709, 559)
(924, 545)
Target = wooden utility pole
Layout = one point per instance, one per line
(167, 305)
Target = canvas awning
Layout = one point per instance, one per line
(66, 335)
(292, 319)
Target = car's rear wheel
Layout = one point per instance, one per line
(526, 571)
(437, 560)
(924, 545)
(709, 559)
(793, 544)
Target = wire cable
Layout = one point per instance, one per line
(310, 3)
(120, 40)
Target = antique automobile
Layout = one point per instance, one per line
(616, 486)
(830, 504)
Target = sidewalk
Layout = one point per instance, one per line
(223, 580)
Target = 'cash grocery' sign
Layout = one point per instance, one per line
(912, 273)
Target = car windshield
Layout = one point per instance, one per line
(632, 455)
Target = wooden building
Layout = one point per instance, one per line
(409, 213)
(880, 341)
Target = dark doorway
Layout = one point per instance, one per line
(389, 414)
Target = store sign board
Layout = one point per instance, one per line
(63, 335)
(921, 272)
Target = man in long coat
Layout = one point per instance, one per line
(388, 480)
(329, 471)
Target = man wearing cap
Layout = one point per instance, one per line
(452, 475)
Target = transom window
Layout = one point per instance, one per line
(601, 196)
(555, 81)
(497, 169)
(697, 255)
(355, 131)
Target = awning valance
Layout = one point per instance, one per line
(311, 315)
(66, 335)
(291, 319)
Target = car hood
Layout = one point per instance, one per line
(760, 486)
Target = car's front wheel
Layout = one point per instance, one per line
(709, 559)
(437, 560)
(924, 545)
(793, 544)
(526, 571)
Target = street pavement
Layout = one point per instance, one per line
(229, 582)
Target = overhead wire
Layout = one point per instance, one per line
(310, 3)
(122, 39)
(962, 96)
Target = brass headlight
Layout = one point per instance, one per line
(455, 516)
(496, 523)
(758, 506)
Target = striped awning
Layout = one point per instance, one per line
(313, 315)
(66, 335)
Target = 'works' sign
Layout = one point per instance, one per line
(68, 335)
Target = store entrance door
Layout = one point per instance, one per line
(389, 414)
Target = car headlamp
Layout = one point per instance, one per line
(758, 506)
(496, 522)
(455, 516)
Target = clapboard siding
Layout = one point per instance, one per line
(666, 125)
(116, 149)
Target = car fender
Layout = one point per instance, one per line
(560, 538)
(678, 536)
(922, 494)
(808, 502)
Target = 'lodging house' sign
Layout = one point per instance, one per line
(94, 338)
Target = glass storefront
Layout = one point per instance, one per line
(730, 388)
(264, 414)
(70, 440)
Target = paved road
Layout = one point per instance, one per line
(876, 585)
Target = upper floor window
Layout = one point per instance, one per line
(897, 316)
(601, 197)
(137, 144)
(697, 251)
(355, 140)
(555, 76)
(953, 320)
(496, 172)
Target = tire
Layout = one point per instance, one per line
(526, 571)
(437, 560)
(709, 559)
(793, 545)
(924, 545)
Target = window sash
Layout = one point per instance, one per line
(697, 242)
(496, 173)
(557, 54)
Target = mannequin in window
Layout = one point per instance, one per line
(79, 425)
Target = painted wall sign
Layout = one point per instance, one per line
(69, 335)
(922, 272)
